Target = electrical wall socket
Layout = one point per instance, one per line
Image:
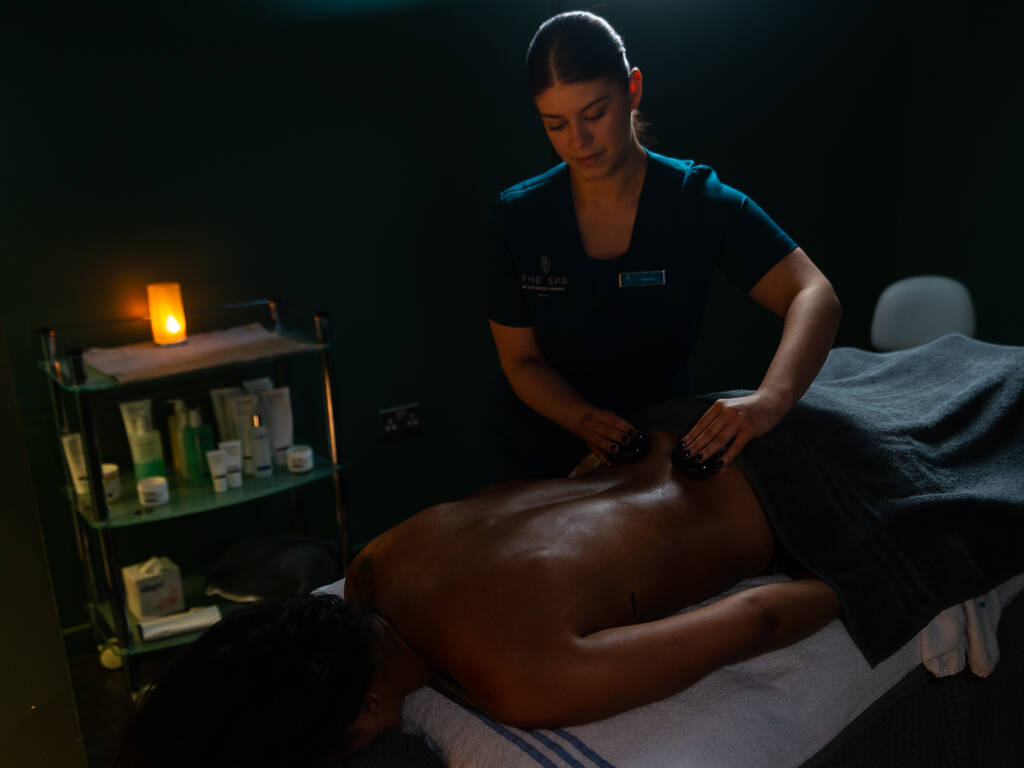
(400, 421)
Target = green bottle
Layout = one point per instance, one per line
(198, 440)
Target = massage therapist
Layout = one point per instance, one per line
(597, 275)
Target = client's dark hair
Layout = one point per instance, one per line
(276, 683)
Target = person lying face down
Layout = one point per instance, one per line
(896, 479)
(548, 603)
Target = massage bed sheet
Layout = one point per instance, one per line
(774, 711)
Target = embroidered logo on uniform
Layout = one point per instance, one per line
(544, 283)
(545, 264)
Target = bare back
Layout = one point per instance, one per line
(526, 567)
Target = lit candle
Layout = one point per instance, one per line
(166, 313)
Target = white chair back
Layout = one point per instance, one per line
(917, 310)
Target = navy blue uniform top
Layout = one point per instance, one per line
(617, 329)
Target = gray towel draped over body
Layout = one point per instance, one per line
(898, 479)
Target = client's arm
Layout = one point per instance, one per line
(624, 667)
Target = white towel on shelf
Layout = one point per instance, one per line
(191, 620)
(144, 361)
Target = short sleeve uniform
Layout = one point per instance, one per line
(620, 330)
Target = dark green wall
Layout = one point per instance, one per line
(38, 724)
(344, 159)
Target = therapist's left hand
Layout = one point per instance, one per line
(728, 425)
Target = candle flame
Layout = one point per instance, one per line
(172, 325)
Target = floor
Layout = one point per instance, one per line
(104, 705)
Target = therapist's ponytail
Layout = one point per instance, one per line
(575, 47)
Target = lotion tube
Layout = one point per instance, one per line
(233, 461)
(225, 423)
(241, 408)
(218, 470)
(132, 411)
(147, 451)
(74, 452)
(277, 405)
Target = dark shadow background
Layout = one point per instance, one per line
(343, 156)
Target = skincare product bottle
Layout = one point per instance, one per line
(74, 452)
(277, 405)
(300, 459)
(218, 470)
(232, 461)
(153, 491)
(111, 481)
(176, 424)
(147, 450)
(131, 410)
(241, 407)
(259, 440)
(198, 440)
(225, 422)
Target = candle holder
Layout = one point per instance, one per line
(166, 314)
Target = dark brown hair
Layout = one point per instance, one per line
(575, 47)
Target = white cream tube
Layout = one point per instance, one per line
(277, 407)
(225, 423)
(147, 452)
(218, 470)
(241, 408)
(132, 410)
(74, 452)
(233, 461)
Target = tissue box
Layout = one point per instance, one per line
(153, 588)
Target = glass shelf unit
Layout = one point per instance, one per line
(76, 391)
(189, 499)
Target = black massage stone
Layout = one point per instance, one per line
(685, 466)
(635, 450)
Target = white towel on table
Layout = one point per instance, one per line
(772, 711)
(965, 634)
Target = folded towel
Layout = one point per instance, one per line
(965, 634)
(944, 642)
(191, 620)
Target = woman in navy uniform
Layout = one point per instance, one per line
(597, 275)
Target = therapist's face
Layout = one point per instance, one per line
(590, 124)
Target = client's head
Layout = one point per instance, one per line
(277, 683)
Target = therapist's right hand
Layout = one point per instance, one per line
(603, 432)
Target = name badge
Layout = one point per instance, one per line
(641, 279)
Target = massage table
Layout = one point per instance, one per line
(815, 704)
(897, 479)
